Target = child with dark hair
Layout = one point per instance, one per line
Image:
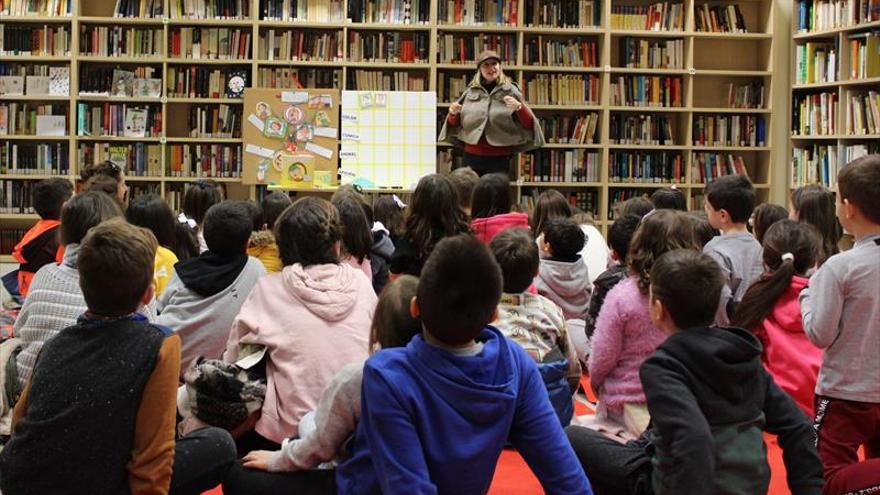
(55, 298)
(39, 246)
(491, 208)
(625, 335)
(549, 204)
(448, 402)
(669, 198)
(563, 277)
(730, 200)
(638, 206)
(105, 176)
(710, 401)
(388, 215)
(815, 205)
(771, 311)
(324, 434)
(357, 239)
(262, 243)
(534, 321)
(433, 214)
(766, 214)
(841, 311)
(110, 382)
(313, 317)
(704, 230)
(151, 212)
(205, 293)
(199, 197)
(465, 180)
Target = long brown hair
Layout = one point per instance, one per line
(784, 237)
(660, 232)
(434, 214)
(814, 205)
(393, 325)
(549, 204)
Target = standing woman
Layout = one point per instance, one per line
(491, 120)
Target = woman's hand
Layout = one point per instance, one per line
(257, 459)
(455, 108)
(512, 103)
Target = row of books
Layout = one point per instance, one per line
(710, 166)
(210, 43)
(113, 81)
(865, 55)
(450, 87)
(23, 70)
(646, 166)
(215, 121)
(209, 9)
(818, 15)
(647, 91)
(587, 201)
(550, 51)
(34, 158)
(392, 46)
(203, 82)
(651, 54)
(302, 10)
(137, 159)
(816, 164)
(652, 129)
(9, 238)
(289, 77)
(863, 113)
(659, 16)
(138, 8)
(28, 39)
(370, 80)
(566, 14)
(814, 114)
(570, 129)
(619, 195)
(204, 160)
(719, 19)
(854, 151)
(484, 12)
(47, 8)
(560, 166)
(465, 48)
(389, 11)
(16, 196)
(746, 95)
(816, 63)
(56, 83)
(28, 119)
(729, 130)
(563, 89)
(120, 41)
(118, 119)
(301, 45)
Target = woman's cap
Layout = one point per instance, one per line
(487, 55)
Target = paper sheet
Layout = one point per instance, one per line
(319, 150)
(258, 150)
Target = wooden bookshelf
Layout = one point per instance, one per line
(709, 62)
(817, 153)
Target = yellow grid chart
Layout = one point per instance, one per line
(388, 137)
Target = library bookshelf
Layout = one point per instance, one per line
(835, 87)
(349, 50)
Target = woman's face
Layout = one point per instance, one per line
(122, 190)
(490, 70)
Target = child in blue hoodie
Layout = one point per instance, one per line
(436, 414)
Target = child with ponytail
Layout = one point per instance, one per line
(771, 310)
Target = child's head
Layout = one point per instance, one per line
(620, 236)
(101, 171)
(357, 239)
(766, 214)
(115, 264)
(49, 196)
(199, 197)
(659, 233)
(434, 214)
(491, 196)
(675, 305)
(464, 179)
(816, 206)
(638, 206)
(151, 212)
(393, 323)
(389, 213)
(549, 204)
(271, 207)
(186, 238)
(459, 290)
(227, 227)
(790, 248)
(563, 238)
(309, 233)
(858, 203)
(704, 230)
(84, 211)
(730, 200)
(517, 255)
(106, 185)
(669, 198)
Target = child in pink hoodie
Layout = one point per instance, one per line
(490, 208)
(770, 308)
(313, 317)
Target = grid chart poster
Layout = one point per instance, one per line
(388, 138)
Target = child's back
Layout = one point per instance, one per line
(563, 276)
(739, 256)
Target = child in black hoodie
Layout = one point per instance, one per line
(710, 401)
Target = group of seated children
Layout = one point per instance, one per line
(400, 348)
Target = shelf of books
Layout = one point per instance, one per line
(835, 95)
(633, 95)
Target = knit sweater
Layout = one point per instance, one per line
(624, 338)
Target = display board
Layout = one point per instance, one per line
(389, 138)
(290, 137)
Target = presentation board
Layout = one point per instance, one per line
(290, 137)
(388, 138)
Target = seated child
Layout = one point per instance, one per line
(669, 198)
(55, 299)
(491, 208)
(199, 197)
(313, 317)
(40, 243)
(771, 311)
(151, 212)
(841, 311)
(710, 401)
(625, 335)
(205, 293)
(465, 181)
(766, 214)
(97, 416)
(388, 216)
(534, 321)
(437, 413)
(563, 276)
(108, 177)
(357, 238)
(262, 243)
